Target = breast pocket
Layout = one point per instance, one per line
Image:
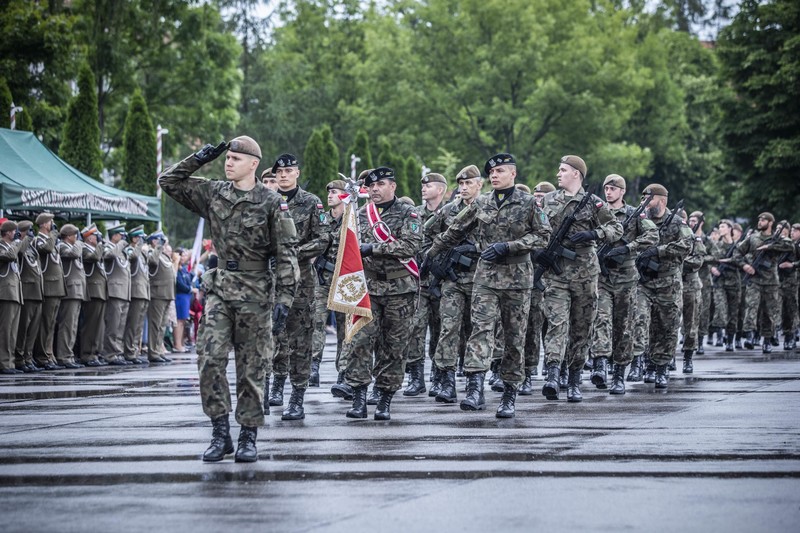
(302, 224)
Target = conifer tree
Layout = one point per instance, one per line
(139, 142)
(81, 146)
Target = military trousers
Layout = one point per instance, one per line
(756, 295)
(247, 328)
(92, 329)
(134, 327)
(9, 326)
(456, 326)
(727, 308)
(612, 336)
(509, 307)
(571, 308)
(426, 318)
(705, 305)
(293, 344)
(385, 336)
(116, 316)
(320, 318)
(156, 324)
(533, 335)
(789, 307)
(691, 317)
(28, 330)
(663, 305)
(68, 314)
(43, 348)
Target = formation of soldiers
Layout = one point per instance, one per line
(70, 298)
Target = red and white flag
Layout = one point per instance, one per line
(349, 294)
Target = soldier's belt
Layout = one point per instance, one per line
(667, 274)
(386, 276)
(243, 266)
(513, 259)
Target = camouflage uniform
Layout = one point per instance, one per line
(248, 228)
(789, 286)
(392, 293)
(32, 295)
(707, 292)
(692, 287)
(501, 288)
(118, 271)
(659, 297)
(94, 307)
(321, 291)
(293, 345)
(616, 295)
(571, 298)
(54, 291)
(727, 291)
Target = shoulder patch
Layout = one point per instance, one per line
(413, 214)
(598, 205)
(319, 206)
(284, 206)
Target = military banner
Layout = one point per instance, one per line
(349, 294)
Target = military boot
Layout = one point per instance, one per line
(506, 408)
(276, 391)
(788, 342)
(460, 367)
(526, 389)
(749, 340)
(373, 397)
(295, 411)
(766, 347)
(718, 342)
(340, 389)
(661, 376)
(359, 409)
(494, 367)
(650, 373)
(711, 332)
(573, 385)
(499, 385)
(589, 364)
(221, 443)
(636, 369)
(474, 400)
(551, 385)
(672, 364)
(729, 342)
(700, 348)
(618, 380)
(436, 381)
(600, 372)
(447, 392)
(416, 379)
(563, 376)
(313, 378)
(738, 342)
(246, 451)
(773, 341)
(688, 367)
(266, 396)
(385, 401)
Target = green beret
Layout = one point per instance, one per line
(575, 162)
(656, 189)
(616, 180)
(433, 177)
(245, 145)
(24, 225)
(336, 184)
(268, 174)
(68, 229)
(523, 187)
(468, 172)
(44, 218)
(768, 216)
(8, 225)
(544, 186)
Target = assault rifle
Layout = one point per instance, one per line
(650, 267)
(760, 262)
(602, 254)
(549, 257)
(723, 267)
(445, 264)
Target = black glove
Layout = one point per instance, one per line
(619, 250)
(650, 252)
(466, 248)
(17, 235)
(53, 226)
(210, 152)
(583, 236)
(495, 250)
(366, 249)
(425, 266)
(541, 257)
(279, 315)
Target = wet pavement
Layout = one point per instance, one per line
(119, 448)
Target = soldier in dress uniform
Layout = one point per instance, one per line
(70, 250)
(140, 296)
(10, 293)
(54, 290)
(32, 294)
(94, 307)
(162, 293)
(118, 271)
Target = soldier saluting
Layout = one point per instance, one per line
(249, 224)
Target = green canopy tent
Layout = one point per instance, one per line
(33, 179)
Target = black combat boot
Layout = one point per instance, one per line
(221, 443)
(739, 341)
(636, 369)
(494, 368)
(661, 376)
(600, 372)
(313, 378)
(573, 385)
(589, 364)
(700, 348)
(295, 411)
(359, 409)
(276, 391)
(718, 342)
(729, 342)
(246, 451)
(711, 333)
(460, 367)
(506, 408)
(672, 364)
(436, 381)
(749, 340)
(474, 400)
(618, 380)
(766, 347)
(373, 397)
(340, 389)
(773, 341)
(650, 373)
(563, 376)
(551, 385)
(447, 392)
(416, 379)
(788, 342)
(385, 401)
(526, 389)
(499, 385)
(688, 367)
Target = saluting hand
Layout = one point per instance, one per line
(210, 152)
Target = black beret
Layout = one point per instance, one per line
(497, 160)
(283, 161)
(380, 173)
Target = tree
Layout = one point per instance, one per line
(760, 57)
(81, 145)
(5, 103)
(413, 176)
(139, 145)
(320, 163)
(361, 150)
(24, 122)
